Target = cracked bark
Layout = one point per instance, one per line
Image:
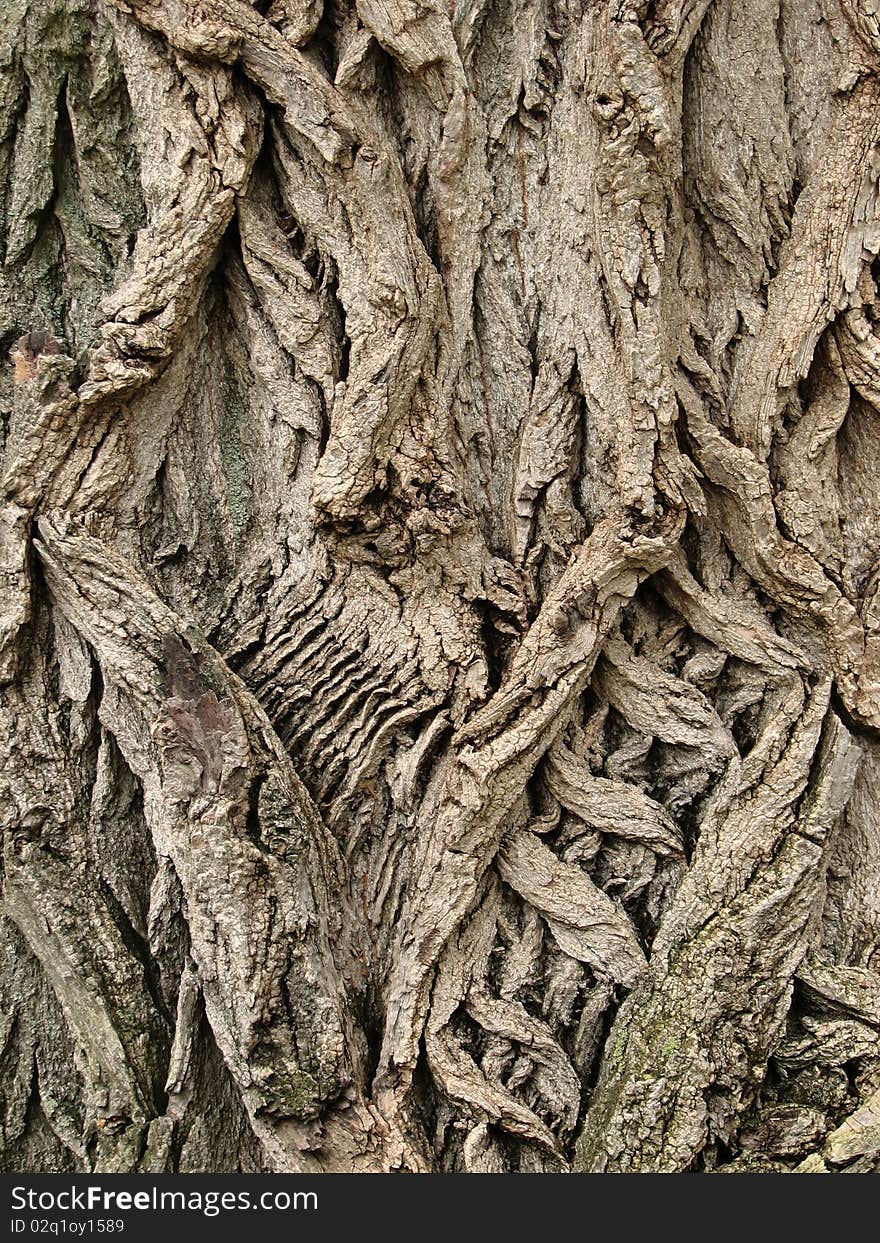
(439, 640)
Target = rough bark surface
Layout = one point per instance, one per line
(440, 555)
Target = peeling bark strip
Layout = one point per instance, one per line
(439, 550)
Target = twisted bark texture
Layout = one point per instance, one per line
(440, 630)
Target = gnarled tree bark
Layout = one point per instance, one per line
(440, 632)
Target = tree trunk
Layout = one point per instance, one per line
(440, 628)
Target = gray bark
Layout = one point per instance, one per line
(440, 630)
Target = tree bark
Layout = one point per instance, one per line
(440, 631)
